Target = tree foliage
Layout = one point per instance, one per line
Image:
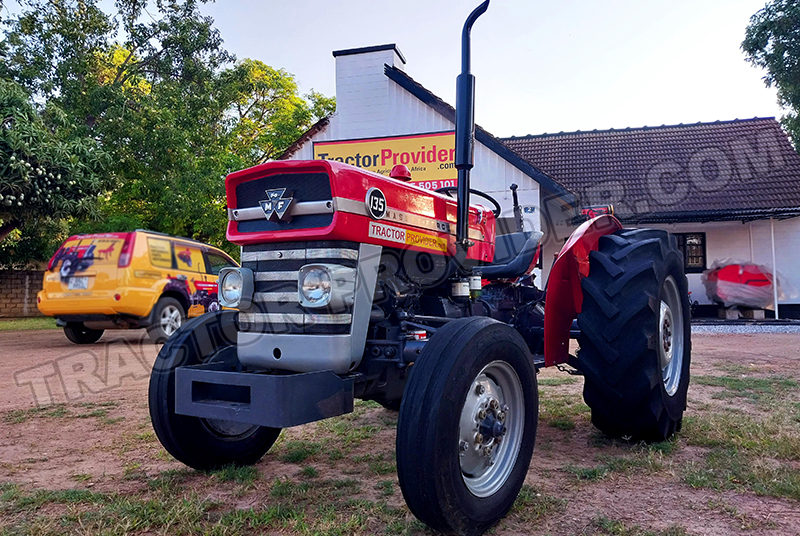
(153, 86)
(772, 42)
(45, 175)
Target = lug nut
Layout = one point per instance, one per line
(463, 445)
(487, 451)
(494, 404)
(501, 416)
(478, 438)
(480, 389)
(481, 414)
(504, 409)
(498, 440)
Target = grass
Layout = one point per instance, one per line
(28, 324)
(775, 435)
(747, 451)
(735, 469)
(99, 410)
(309, 472)
(299, 451)
(561, 411)
(555, 382)
(533, 505)
(611, 527)
(646, 459)
(747, 386)
(326, 507)
(245, 475)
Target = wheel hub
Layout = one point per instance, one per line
(490, 430)
(670, 336)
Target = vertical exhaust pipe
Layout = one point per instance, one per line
(465, 129)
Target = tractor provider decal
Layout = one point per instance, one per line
(407, 237)
(429, 157)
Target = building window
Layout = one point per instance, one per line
(693, 248)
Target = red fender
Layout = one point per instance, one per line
(564, 296)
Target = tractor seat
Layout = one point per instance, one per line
(513, 255)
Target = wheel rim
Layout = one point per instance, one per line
(490, 429)
(670, 336)
(170, 320)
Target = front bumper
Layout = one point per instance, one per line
(132, 301)
(213, 391)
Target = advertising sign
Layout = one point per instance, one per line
(429, 157)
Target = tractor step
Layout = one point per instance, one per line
(213, 391)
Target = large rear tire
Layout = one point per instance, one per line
(635, 340)
(467, 426)
(202, 443)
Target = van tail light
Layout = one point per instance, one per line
(53, 259)
(126, 255)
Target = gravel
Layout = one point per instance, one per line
(747, 328)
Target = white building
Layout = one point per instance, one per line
(722, 187)
(376, 99)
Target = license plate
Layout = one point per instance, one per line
(78, 283)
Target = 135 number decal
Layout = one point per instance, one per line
(376, 203)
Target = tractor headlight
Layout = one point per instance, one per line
(315, 286)
(235, 287)
(322, 285)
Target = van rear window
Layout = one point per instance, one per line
(88, 251)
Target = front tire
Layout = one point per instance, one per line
(202, 443)
(168, 317)
(467, 426)
(635, 341)
(78, 333)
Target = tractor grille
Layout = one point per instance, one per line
(302, 186)
(276, 308)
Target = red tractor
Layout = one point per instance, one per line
(355, 285)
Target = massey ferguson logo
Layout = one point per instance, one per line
(276, 206)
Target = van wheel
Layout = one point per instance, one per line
(80, 334)
(168, 317)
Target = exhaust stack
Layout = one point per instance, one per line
(465, 129)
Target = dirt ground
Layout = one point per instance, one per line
(77, 417)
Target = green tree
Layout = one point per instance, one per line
(772, 42)
(168, 103)
(44, 175)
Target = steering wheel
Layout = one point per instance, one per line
(447, 190)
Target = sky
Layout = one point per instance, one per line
(541, 66)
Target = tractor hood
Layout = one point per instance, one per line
(297, 200)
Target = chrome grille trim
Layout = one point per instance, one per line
(328, 319)
(289, 254)
(290, 318)
(277, 276)
(280, 297)
(331, 253)
(271, 318)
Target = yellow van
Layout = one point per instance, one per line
(131, 280)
